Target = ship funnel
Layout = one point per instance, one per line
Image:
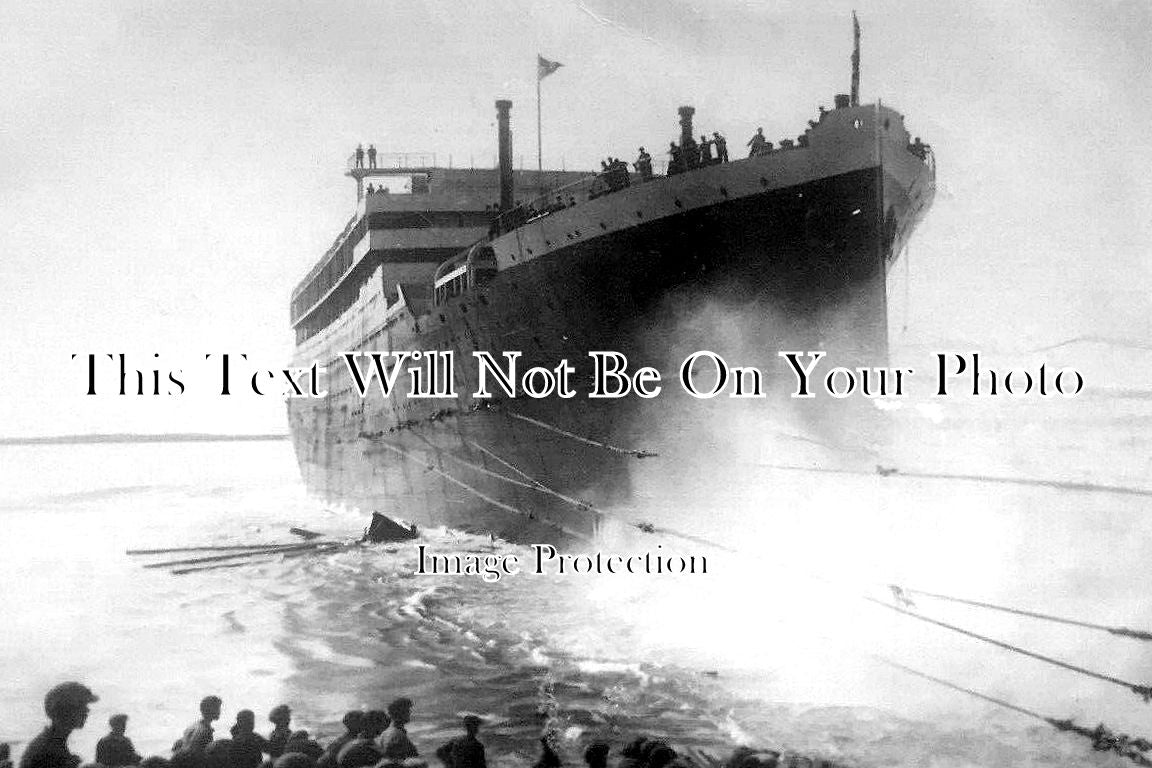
(686, 135)
(507, 194)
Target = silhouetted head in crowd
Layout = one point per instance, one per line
(657, 754)
(548, 756)
(400, 710)
(118, 724)
(596, 756)
(353, 721)
(66, 705)
(210, 708)
(374, 723)
(635, 749)
(280, 716)
(245, 722)
(301, 741)
(472, 724)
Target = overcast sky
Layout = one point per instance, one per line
(172, 168)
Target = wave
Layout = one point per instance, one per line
(95, 494)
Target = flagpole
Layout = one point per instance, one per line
(539, 134)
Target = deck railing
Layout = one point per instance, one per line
(391, 161)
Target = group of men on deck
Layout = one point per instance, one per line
(690, 154)
(360, 155)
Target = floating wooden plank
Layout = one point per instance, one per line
(329, 546)
(235, 555)
(210, 548)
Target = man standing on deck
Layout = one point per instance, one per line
(643, 165)
(359, 155)
(67, 708)
(721, 147)
(757, 143)
(371, 155)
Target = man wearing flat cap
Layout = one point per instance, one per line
(67, 708)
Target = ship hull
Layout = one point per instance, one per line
(801, 266)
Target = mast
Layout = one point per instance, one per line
(539, 136)
(855, 100)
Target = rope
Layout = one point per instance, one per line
(536, 485)
(960, 688)
(1143, 691)
(638, 453)
(531, 484)
(507, 464)
(481, 494)
(1120, 631)
(1103, 739)
(1064, 485)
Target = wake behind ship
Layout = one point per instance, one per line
(566, 263)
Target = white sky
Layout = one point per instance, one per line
(171, 169)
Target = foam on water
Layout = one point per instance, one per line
(768, 649)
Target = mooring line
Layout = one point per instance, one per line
(1119, 631)
(1143, 691)
(536, 485)
(480, 494)
(638, 453)
(501, 461)
(1103, 739)
(1063, 485)
(960, 688)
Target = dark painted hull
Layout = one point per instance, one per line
(802, 267)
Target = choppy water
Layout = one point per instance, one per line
(754, 652)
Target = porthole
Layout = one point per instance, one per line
(724, 191)
(678, 203)
(763, 181)
(639, 215)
